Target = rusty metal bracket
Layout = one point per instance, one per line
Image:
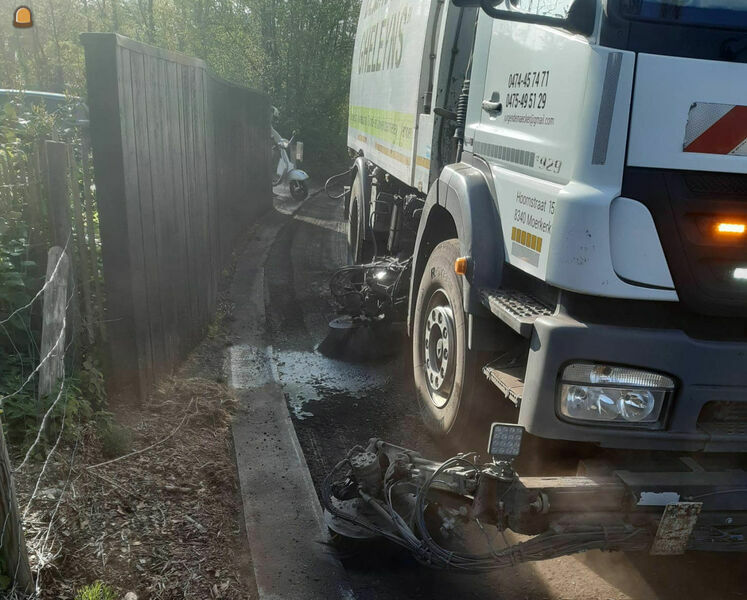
(675, 527)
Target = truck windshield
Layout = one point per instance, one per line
(715, 13)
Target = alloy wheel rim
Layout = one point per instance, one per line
(439, 343)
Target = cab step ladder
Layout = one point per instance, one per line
(507, 374)
(516, 309)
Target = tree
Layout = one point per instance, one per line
(298, 51)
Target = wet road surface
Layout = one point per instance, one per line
(336, 405)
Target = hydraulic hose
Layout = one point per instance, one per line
(326, 183)
(416, 538)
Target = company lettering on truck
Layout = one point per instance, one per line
(387, 84)
(383, 42)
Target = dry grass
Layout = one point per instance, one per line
(164, 523)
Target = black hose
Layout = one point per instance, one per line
(326, 183)
(544, 546)
(461, 118)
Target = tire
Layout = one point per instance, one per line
(299, 190)
(359, 250)
(446, 373)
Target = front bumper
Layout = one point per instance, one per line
(706, 371)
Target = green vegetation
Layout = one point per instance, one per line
(97, 591)
(116, 440)
(23, 257)
(298, 51)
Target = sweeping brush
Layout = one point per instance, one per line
(354, 339)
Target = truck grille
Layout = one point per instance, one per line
(724, 418)
(685, 207)
(717, 183)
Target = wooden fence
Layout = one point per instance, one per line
(181, 162)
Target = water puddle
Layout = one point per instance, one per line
(308, 377)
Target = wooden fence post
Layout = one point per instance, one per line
(6, 181)
(80, 235)
(53, 321)
(12, 543)
(58, 200)
(85, 148)
(35, 194)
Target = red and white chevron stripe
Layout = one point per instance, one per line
(717, 129)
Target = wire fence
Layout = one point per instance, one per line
(33, 529)
(51, 319)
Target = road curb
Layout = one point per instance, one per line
(283, 516)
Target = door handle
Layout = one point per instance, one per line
(493, 105)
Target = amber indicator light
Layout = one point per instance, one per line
(460, 265)
(730, 228)
(22, 17)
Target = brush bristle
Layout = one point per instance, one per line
(361, 343)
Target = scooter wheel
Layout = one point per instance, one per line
(299, 190)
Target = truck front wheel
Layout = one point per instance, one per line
(445, 371)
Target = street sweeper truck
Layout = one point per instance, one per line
(552, 195)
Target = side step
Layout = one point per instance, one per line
(516, 309)
(508, 377)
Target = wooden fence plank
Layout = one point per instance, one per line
(58, 200)
(145, 170)
(85, 148)
(211, 225)
(195, 262)
(52, 349)
(138, 259)
(6, 193)
(162, 191)
(82, 251)
(123, 369)
(181, 244)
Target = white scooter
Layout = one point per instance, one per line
(286, 167)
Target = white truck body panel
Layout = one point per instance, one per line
(387, 82)
(671, 94)
(424, 151)
(556, 151)
(637, 255)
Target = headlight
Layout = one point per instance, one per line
(615, 395)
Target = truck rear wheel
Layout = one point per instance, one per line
(446, 372)
(359, 250)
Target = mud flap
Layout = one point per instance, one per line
(675, 527)
(297, 175)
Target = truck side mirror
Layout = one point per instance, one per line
(580, 15)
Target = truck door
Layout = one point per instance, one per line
(535, 104)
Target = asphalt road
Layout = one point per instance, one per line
(335, 405)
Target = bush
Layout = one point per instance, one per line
(97, 591)
(115, 440)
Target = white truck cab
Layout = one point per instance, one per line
(578, 172)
